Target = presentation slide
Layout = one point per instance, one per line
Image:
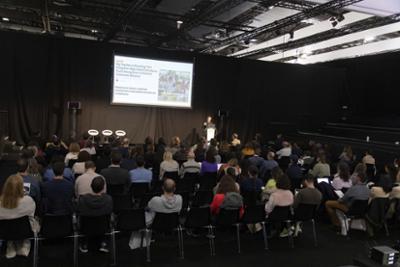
(139, 81)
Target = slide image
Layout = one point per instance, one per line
(174, 86)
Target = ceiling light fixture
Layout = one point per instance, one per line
(179, 24)
(5, 19)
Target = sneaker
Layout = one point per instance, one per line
(24, 249)
(103, 247)
(11, 252)
(285, 233)
(297, 230)
(83, 248)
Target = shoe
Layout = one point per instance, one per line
(284, 233)
(83, 248)
(11, 252)
(24, 249)
(297, 230)
(103, 247)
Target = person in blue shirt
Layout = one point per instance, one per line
(31, 185)
(294, 172)
(58, 193)
(140, 174)
(48, 175)
(252, 183)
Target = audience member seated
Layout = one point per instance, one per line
(168, 202)
(175, 145)
(359, 191)
(268, 164)
(124, 148)
(168, 164)
(31, 186)
(57, 194)
(231, 173)
(285, 151)
(383, 188)
(72, 154)
(90, 148)
(232, 163)
(227, 196)
(270, 186)
(49, 173)
(308, 195)
(13, 205)
(235, 140)
(95, 203)
(322, 168)
(103, 159)
(282, 197)
(79, 166)
(342, 177)
(140, 174)
(149, 156)
(252, 183)
(347, 155)
(190, 166)
(209, 164)
(55, 147)
(35, 170)
(115, 175)
(83, 182)
(368, 158)
(256, 160)
(294, 172)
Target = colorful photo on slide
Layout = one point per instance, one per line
(174, 86)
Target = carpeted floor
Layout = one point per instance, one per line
(333, 250)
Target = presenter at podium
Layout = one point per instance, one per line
(210, 129)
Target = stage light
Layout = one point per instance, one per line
(93, 132)
(179, 24)
(120, 133)
(5, 19)
(107, 132)
(94, 31)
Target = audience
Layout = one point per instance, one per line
(252, 183)
(190, 165)
(294, 172)
(235, 140)
(58, 193)
(322, 168)
(285, 151)
(282, 197)
(115, 175)
(31, 186)
(383, 188)
(79, 165)
(209, 164)
(168, 164)
(73, 153)
(268, 164)
(95, 203)
(342, 177)
(227, 196)
(140, 174)
(15, 204)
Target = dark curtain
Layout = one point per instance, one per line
(40, 74)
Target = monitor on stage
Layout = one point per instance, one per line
(149, 82)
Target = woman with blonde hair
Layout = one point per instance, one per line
(74, 149)
(13, 205)
(168, 164)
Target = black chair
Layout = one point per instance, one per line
(71, 163)
(208, 181)
(282, 214)
(94, 226)
(228, 218)
(130, 220)
(251, 198)
(201, 218)
(115, 189)
(19, 229)
(146, 198)
(138, 190)
(191, 175)
(58, 227)
(171, 175)
(185, 201)
(167, 222)
(357, 210)
(185, 184)
(256, 214)
(156, 186)
(284, 162)
(307, 213)
(377, 213)
(202, 198)
(121, 202)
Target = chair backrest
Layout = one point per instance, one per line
(171, 175)
(185, 184)
(284, 162)
(202, 198)
(16, 229)
(71, 163)
(165, 222)
(146, 198)
(185, 199)
(121, 202)
(193, 175)
(198, 217)
(377, 210)
(254, 214)
(138, 190)
(208, 180)
(227, 217)
(157, 186)
(56, 226)
(305, 212)
(115, 189)
(131, 220)
(94, 225)
(280, 214)
(358, 208)
(251, 198)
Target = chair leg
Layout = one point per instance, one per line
(290, 235)
(148, 241)
(213, 240)
(180, 239)
(314, 233)
(35, 251)
(113, 249)
(75, 250)
(238, 237)
(210, 240)
(386, 228)
(265, 235)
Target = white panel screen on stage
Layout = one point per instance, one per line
(149, 82)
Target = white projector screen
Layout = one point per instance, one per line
(139, 81)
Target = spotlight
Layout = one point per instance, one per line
(5, 19)
(94, 31)
(120, 133)
(179, 24)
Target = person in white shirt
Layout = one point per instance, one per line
(368, 158)
(89, 147)
(83, 182)
(235, 140)
(190, 166)
(286, 151)
(73, 153)
(168, 164)
(79, 166)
